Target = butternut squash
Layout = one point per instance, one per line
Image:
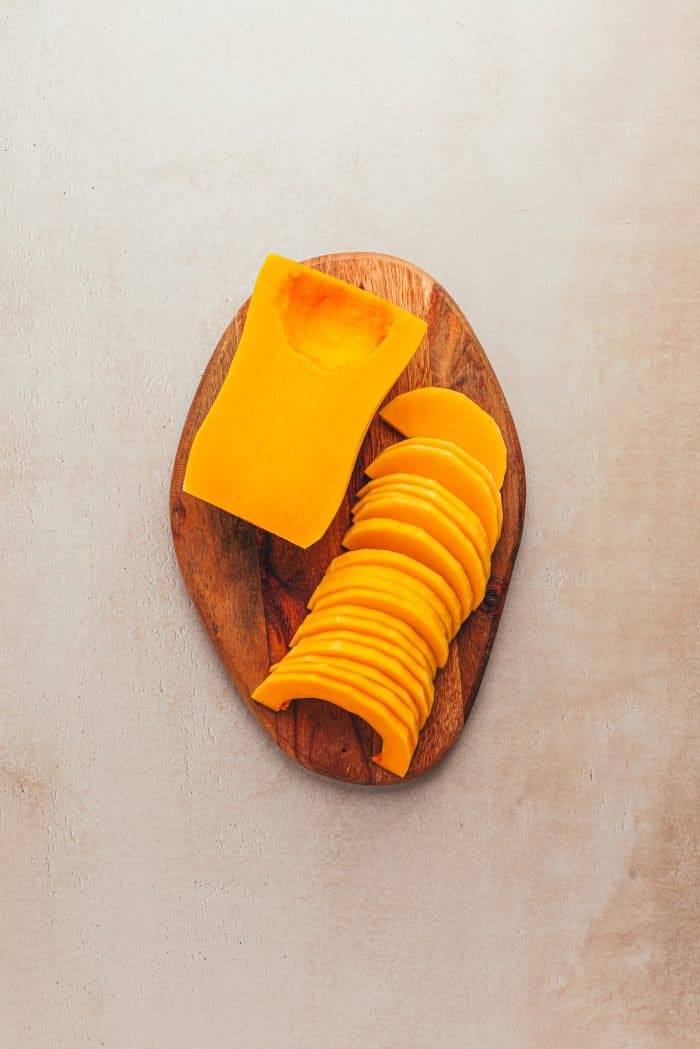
(278, 690)
(473, 463)
(349, 672)
(374, 625)
(376, 647)
(411, 567)
(406, 606)
(369, 662)
(314, 362)
(425, 515)
(432, 491)
(387, 534)
(442, 463)
(436, 412)
(383, 578)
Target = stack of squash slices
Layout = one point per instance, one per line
(252, 587)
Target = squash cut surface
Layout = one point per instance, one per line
(406, 606)
(411, 567)
(436, 412)
(443, 464)
(277, 691)
(425, 515)
(314, 361)
(383, 533)
(372, 623)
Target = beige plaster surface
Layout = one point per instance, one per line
(168, 878)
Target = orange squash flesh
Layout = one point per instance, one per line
(426, 516)
(418, 555)
(406, 606)
(423, 488)
(436, 412)
(354, 674)
(474, 464)
(314, 361)
(377, 533)
(411, 567)
(447, 467)
(374, 625)
(277, 691)
(383, 578)
(367, 662)
(374, 649)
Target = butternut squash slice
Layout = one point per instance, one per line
(382, 578)
(436, 412)
(423, 488)
(373, 625)
(313, 364)
(278, 690)
(475, 464)
(443, 464)
(426, 515)
(375, 648)
(387, 534)
(351, 673)
(409, 565)
(406, 606)
(368, 662)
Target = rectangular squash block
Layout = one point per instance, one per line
(315, 360)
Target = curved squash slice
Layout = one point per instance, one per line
(278, 690)
(406, 606)
(457, 511)
(436, 412)
(417, 456)
(474, 464)
(376, 648)
(316, 358)
(425, 515)
(369, 663)
(373, 625)
(382, 578)
(349, 672)
(409, 565)
(379, 533)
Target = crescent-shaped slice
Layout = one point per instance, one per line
(384, 533)
(411, 567)
(432, 411)
(278, 690)
(425, 515)
(442, 463)
(373, 624)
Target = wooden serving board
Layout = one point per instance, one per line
(251, 588)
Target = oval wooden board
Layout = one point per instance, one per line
(251, 588)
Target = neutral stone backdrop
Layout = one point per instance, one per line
(167, 877)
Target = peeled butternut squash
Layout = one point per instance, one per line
(474, 464)
(383, 533)
(314, 362)
(398, 742)
(411, 567)
(383, 578)
(439, 462)
(351, 673)
(367, 661)
(425, 515)
(405, 605)
(374, 650)
(423, 488)
(372, 624)
(436, 412)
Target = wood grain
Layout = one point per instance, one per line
(251, 588)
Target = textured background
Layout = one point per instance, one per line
(167, 877)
